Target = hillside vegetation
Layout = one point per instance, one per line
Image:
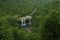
(46, 20)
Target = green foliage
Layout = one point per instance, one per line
(45, 22)
(5, 32)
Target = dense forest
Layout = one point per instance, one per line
(46, 20)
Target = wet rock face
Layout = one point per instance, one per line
(25, 22)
